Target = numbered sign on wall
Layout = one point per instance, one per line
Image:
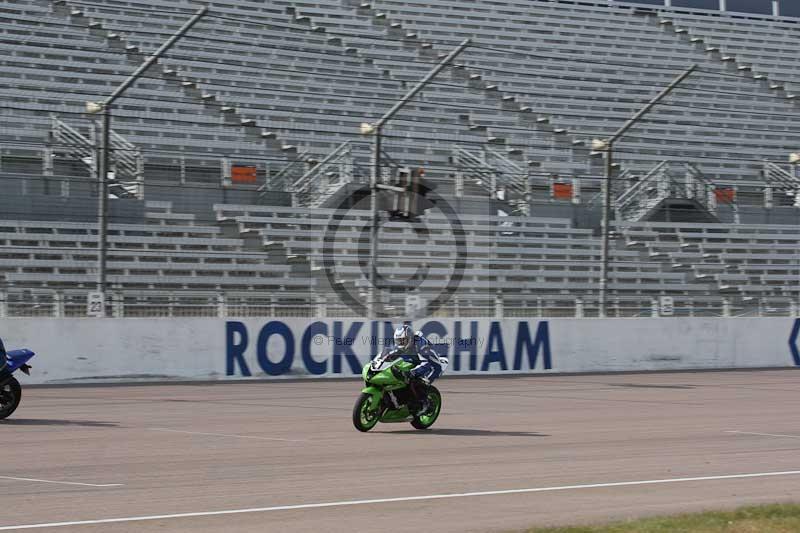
(667, 306)
(94, 305)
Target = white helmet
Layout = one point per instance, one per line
(403, 336)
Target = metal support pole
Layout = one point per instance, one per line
(222, 306)
(526, 210)
(47, 161)
(58, 304)
(607, 173)
(156, 55)
(322, 308)
(576, 190)
(102, 203)
(377, 130)
(663, 94)
(373, 241)
(117, 305)
(104, 163)
(498, 305)
(608, 146)
(421, 85)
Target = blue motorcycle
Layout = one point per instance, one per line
(10, 389)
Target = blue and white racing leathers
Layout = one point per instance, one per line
(429, 365)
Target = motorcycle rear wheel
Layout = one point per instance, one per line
(10, 396)
(365, 415)
(435, 400)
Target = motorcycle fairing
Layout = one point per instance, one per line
(18, 359)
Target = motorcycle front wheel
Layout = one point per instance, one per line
(365, 415)
(435, 407)
(10, 396)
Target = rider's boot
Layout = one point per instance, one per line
(419, 406)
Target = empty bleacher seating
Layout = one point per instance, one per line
(277, 87)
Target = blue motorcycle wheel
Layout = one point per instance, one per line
(10, 396)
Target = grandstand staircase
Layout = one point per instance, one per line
(502, 99)
(729, 61)
(779, 179)
(493, 93)
(318, 183)
(255, 241)
(496, 174)
(695, 273)
(666, 189)
(127, 164)
(189, 85)
(327, 177)
(282, 180)
(775, 177)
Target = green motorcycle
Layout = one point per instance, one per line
(387, 395)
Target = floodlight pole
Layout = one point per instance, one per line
(607, 176)
(105, 147)
(377, 131)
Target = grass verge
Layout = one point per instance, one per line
(779, 518)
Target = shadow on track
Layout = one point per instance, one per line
(53, 422)
(467, 433)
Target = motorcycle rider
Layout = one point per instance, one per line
(429, 365)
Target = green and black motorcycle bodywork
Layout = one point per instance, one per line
(387, 395)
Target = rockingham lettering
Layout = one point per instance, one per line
(342, 347)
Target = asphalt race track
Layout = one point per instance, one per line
(267, 456)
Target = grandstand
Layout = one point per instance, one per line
(231, 156)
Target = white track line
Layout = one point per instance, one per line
(346, 503)
(61, 482)
(764, 434)
(224, 435)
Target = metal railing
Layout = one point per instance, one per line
(495, 173)
(325, 179)
(491, 170)
(283, 180)
(127, 160)
(663, 182)
(779, 179)
(73, 304)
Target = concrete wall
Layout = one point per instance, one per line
(86, 350)
(67, 209)
(761, 215)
